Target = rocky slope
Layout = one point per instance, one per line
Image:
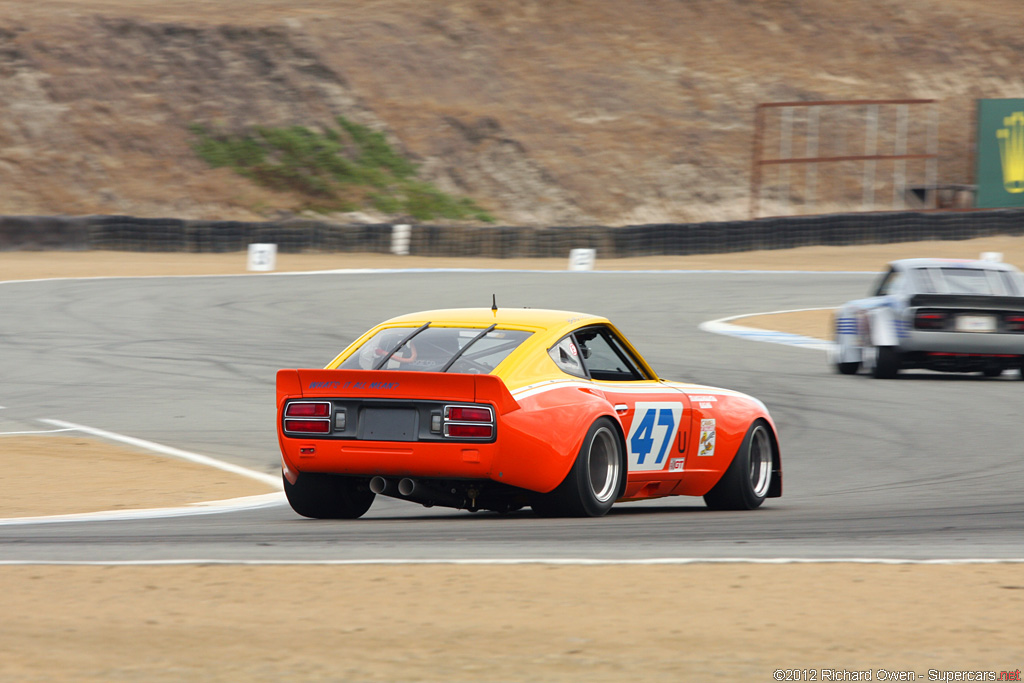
(546, 113)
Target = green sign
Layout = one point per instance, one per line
(1000, 153)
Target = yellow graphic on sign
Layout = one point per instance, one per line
(1011, 151)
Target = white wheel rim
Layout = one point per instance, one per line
(760, 462)
(603, 465)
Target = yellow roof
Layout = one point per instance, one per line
(536, 318)
(530, 361)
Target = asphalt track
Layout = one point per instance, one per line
(926, 467)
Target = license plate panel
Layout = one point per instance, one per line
(975, 323)
(388, 424)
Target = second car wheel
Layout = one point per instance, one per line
(595, 480)
(887, 362)
(329, 496)
(848, 368)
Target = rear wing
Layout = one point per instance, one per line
(394, 385)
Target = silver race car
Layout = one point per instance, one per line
(939, 314)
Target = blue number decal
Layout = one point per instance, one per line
(666, 419)
(654, 429)
(642, 441)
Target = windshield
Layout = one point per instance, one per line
(436, 349)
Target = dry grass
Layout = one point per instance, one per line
(546, 113)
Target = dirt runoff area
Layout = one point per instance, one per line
(761, 622)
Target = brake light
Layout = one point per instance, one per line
(308, 417)
(468, 422)
(930, 320)
(307, 426)
(468, 414)
(469, 431)
(1015, 323)
(308, 409)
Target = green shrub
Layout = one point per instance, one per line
(333, 170)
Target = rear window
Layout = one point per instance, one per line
(436, 349)
(1013, 282)
(970, 281)
(967, 281)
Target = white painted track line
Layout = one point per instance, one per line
(206, 508)
(725, 327)
(581, 562)
(170, 451)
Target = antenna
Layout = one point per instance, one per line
(494, 303)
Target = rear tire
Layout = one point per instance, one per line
(745, 484)
(887, 362)
(595, 480)
(329, 496)
(848, 368)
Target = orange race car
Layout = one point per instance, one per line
(499, 409)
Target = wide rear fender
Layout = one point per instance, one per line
(540, 442)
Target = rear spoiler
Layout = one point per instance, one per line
(1000, 303)
(390, 384)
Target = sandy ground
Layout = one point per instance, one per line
(454, 623)
(524, 623)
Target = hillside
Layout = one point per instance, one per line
(544, 113)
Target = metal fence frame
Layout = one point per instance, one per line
(812, 160)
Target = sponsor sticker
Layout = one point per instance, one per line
(676, 464)
(706, 446)
(703, 399)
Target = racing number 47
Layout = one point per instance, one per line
(653, 429)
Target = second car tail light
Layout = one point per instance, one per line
(1014, 323)
(930, 320)
(468, 422)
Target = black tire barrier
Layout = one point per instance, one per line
(36, 233)
(128, 233)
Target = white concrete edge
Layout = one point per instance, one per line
(170, 451)
(33, 432)
(723, 326)
(203, 508)
(583, 562)
(392, 271)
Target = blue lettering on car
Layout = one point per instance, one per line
(384, 386)
(325, 385)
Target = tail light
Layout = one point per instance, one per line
(930, 320)
(310, 409)
(468, 422)
(1015, 323)
(308, 417)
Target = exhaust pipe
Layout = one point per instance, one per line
(417, 492)
(428, 495)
